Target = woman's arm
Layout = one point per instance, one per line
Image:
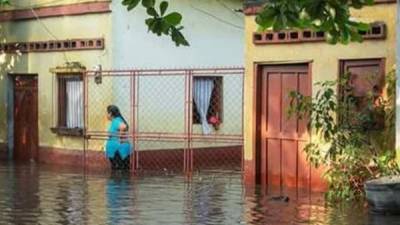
(122, 127)
(122, 130)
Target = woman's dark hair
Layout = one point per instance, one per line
(114, 111)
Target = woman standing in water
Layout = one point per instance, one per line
(118, 148)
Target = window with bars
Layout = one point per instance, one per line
(363, 89)
(207, 96)
(70, 104)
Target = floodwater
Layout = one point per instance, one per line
(32, 194)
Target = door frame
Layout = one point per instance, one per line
(256, 112)
(10, 111)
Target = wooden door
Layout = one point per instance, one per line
(283, 162)
(25, 117)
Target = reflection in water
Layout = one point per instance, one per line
(120, 198)
(20, 194)
(72, 196)
(39, 195)
(203, 201)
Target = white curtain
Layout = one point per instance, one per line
(74, 104)
(202, 90)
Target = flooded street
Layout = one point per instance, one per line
(31, 194)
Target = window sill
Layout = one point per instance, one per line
(65, 131)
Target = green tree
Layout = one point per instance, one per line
(331, 16)
(160, 22)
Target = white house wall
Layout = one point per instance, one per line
(215, 41)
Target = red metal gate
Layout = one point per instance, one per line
(164, 124)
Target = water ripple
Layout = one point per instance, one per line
(31, 194)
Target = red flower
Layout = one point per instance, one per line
(214, 120)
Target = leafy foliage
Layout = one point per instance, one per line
(159, 22)
(332, 17)
(354, 143)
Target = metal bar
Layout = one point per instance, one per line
(171, 72)
(190, 116)
(174, 136)
(243, 77)
(137, 158)
(53, 101)
(226, 141)
(172, 69)
(85, 119)
(185, 123)
(132, 105)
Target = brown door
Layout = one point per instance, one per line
(283, 163)
(25, 117)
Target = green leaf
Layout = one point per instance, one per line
(163, 7)
(266, 18)
(355, 36)
(150, 23)
(178, 38)
(158, 27)
(173, 18)
(4, 2)
(131, 4)
(280, 23)
(369, 2)
(148, 3)
(165, 28)
(357, 4)
(363, 26)
(152, 12)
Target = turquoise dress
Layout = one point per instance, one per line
(114, 144)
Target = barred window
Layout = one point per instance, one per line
(364, 86)
(207, 95)
(70, 101)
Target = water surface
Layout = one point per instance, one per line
(32, 194)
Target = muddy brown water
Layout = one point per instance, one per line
(32, 194)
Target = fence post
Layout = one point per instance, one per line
(188, 154)
(85, 118)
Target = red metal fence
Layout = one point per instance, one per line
(165, 124)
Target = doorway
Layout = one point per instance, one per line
(281, 159)
(25, 113)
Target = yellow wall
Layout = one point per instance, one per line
(325, 58)
(86, 26)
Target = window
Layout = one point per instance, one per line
(70, 104)
(207, 98)
(363, 89)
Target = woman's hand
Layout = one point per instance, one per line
(122, 127)
(122, 131)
